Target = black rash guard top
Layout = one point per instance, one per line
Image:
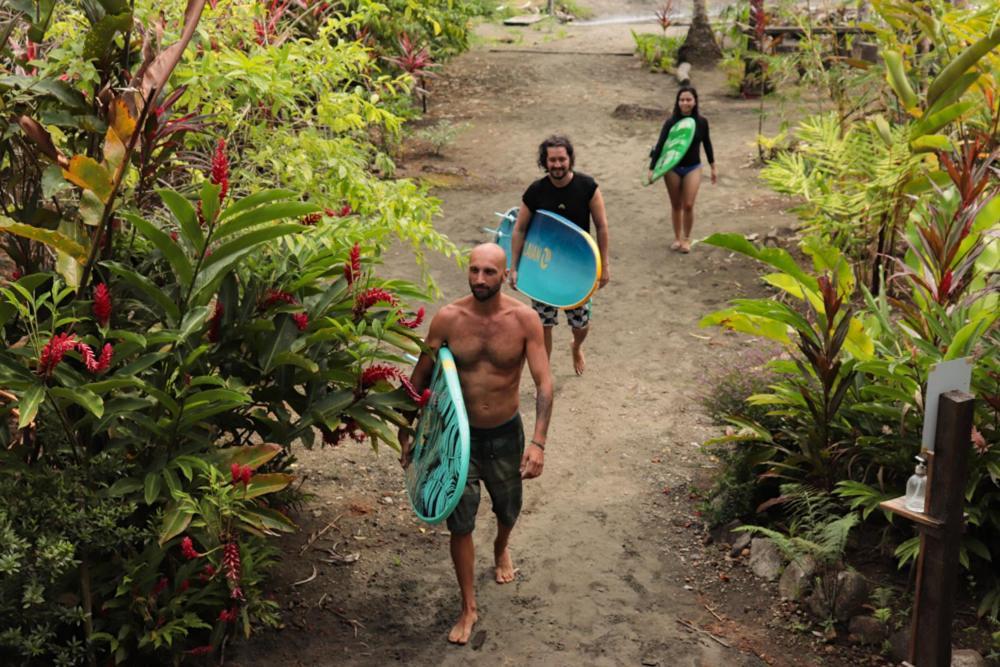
(693, 155)
(571, 201)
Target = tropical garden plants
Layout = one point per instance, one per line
(898, 199)
(175, 324)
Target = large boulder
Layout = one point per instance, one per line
(765, 558)
(796, 580)
(867, 630)
(840, 596)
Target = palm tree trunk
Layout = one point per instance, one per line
(700, 46)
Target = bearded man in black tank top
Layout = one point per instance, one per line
(576, 197)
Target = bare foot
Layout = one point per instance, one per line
(685, 247)
(676, 245)
(579, 363)
(463, 628)
(505, 570)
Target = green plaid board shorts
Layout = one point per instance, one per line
(495, 460)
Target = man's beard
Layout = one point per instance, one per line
(484, 293)
(558, 172)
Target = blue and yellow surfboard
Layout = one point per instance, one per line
(439, 466)
(560, 263)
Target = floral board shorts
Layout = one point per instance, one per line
(578, 318)
(495, 459)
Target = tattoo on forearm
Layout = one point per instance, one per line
(543, 410)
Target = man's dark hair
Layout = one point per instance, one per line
(554, 141)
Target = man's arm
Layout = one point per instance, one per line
(517, 241)
(421, 376)
(538, 363)
(601, 227)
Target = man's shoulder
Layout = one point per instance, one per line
(585, 182)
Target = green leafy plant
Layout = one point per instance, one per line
(440, 134)
(657, 51)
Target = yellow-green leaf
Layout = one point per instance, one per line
(748, 324)
(931, 143)
(89, 175)
(858, 343)
(895, 74)
(268, 483)
(49, 237)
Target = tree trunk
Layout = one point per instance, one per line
(700, 47)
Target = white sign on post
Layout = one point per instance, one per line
(946, 376)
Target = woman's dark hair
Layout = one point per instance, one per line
(677, 102)
(554, 141)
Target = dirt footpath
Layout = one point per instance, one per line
(612, 568)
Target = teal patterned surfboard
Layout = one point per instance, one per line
(678, 141)
(439, 467)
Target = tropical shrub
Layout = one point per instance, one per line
(657, 51)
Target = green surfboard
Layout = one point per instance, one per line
(439, 467)
(678, 141)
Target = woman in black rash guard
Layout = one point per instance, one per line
(683, 180)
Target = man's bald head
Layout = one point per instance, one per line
(489, 253)
(487, 270)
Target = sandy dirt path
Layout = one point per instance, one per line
(605, 559)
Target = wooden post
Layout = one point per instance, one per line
(937, 565)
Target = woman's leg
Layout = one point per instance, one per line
(689, 190)
(673, 182)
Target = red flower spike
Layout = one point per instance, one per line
(352, 270)
(311, 219)
(246, 474)
(186, 584)
(237, 594)
(187, 548)
(220, 169)
(369, 297)
(228, 615)
(301, 321)
(231, 561)
(415, 322)
(235, 470)
(102, 304)
(276, 296)
(15, 275)
(345, 211)
(207, 573)
(54, 351)
(378, 372)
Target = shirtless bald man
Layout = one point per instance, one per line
(491, 336)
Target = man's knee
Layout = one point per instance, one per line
(688, 207)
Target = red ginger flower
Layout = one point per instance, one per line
(301, 320)
(102, 304)
(378, 372)
(99, 365)
(187, 548)
(231, 561)
(220, 169)
(276, 296)
(15, 275)
(352, 270)
(415, 322)
(369, 297)
(240, 473)
(311, 219)
(53, 352)
(228, 615)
